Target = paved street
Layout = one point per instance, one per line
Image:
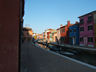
(36, 59)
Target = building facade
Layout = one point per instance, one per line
(53, 36)
(58, 34)
(44, 39)
(48, 35)
(40, 36)
(11, 22)
(27, 34)
(74, 34)
(64, 35)
(87, 28)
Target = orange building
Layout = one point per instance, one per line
(64, 37)
(27, 33)
(11, 20)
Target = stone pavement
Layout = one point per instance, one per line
(36, 59)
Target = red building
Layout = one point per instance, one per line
(11, 20)
(64, 37)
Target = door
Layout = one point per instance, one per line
(74, 41)
(85, 41)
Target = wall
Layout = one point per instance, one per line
(76, 34)
(9, 35)
(58, 34)
(95, 28)
(64, 34)
(86, 33)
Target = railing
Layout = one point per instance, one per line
(71, 47)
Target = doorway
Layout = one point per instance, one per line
(85, 41)
(74, 40)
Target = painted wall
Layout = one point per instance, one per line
(87, 33)
(54, 37)
(58, 34)
(64, 32)
(95, 28)
(9, 35)
(74, 34)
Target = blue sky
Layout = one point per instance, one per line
(44, 14)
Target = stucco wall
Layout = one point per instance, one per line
(76, 34)
(87, 33)
(9, 35)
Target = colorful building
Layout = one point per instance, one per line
(27, 33)
(44, 39)
(87, 29)
(64, 37)
(40, 36)
(48, 37)
(58, 34)
(74, 34)
(53, 36)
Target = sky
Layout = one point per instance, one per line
(44, 14)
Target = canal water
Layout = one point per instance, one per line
(85, 57)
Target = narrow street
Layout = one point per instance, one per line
(36, 59)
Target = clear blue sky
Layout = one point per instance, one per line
(44, 14)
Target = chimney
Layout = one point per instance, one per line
(68, 23)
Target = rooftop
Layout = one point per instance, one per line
(27, 28)
(88, 13)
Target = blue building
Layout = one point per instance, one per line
(74, 34)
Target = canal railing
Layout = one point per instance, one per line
(71, 47)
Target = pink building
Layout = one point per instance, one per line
(87, 29)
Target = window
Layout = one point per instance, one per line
(70, 30)
(81, 21)
(27, 33)
(81, 39)
(90, 27)
(90, 19)
(25, 29)
(62, 39)
(95, 39)
(81, 28)
(74, 30)
(63, 30)
(90, 39)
